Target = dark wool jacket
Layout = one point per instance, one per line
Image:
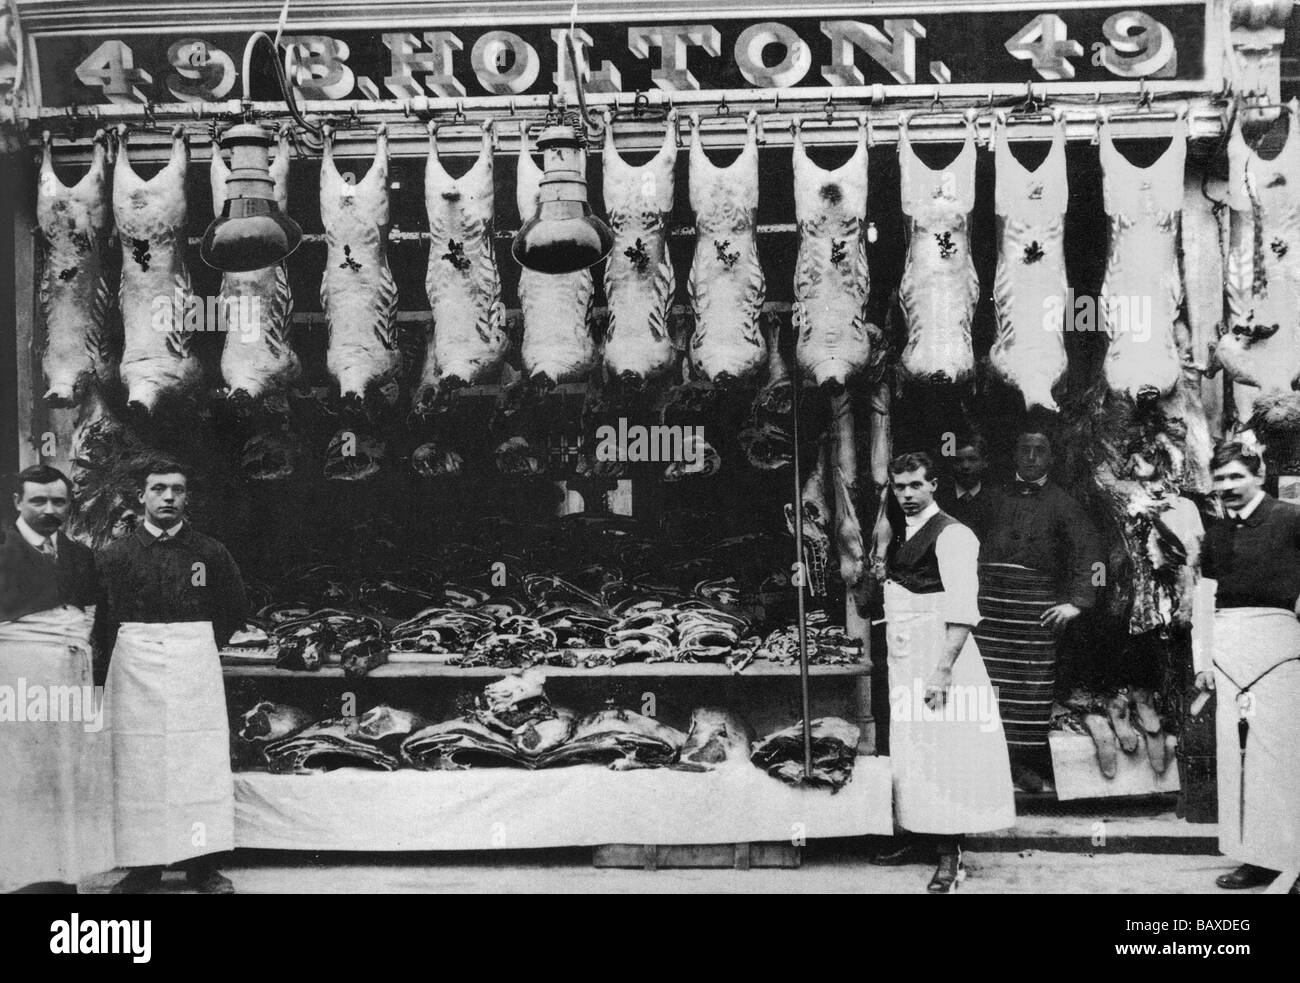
(1257, 564)
(30, 581)
(189, 578)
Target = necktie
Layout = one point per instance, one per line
(47, 547)
(163, 536)
(1027, 488)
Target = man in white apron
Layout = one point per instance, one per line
(55, 756)
(170, 598)
(1248, 652)
(947, 750)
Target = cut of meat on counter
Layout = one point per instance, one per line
(939, 286)
(1124, 721)
(357, 291)
(150, 217)
(717, 739)
(726, 285)
(1030, 284)
(831, 279)
(1142, 290)
(462, 281)
(256, 308)
(558, 345)
(834, 748)
(639, 278)
(76, 297)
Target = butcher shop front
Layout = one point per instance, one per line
(548, 414)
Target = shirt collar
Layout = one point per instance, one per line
(921, 518)
(1040, 482)
(155, 531)
(1249, 509)
(34, 539)
(971, 492)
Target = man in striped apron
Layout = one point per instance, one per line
(1038, 570)
(1246, 648)
(171, 597)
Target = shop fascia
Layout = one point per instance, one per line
(768, 54)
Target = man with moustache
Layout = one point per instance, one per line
(1038, 564)
(55, 773)
(171, 597)
(1248, 652)
(950, 769)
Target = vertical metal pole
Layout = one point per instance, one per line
(802, 585)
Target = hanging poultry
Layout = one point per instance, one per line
(1030, 290)
(76, 298)
(639, 279)
(726, 285)
(358, 294)
(558, 345)
(831, 279)
(256, 308)
(464, 288)
(939, 286)
(1142, 291)
(155, 296)
(1261, 349)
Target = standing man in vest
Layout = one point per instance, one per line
(55, 759)
(171, 598)
(1037, 569)
(1248, 652)
(967, 497)
(947, 750)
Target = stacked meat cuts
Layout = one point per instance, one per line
(256, 308)
(831, 281)
(939, 286)
(357, 290)
(1030, 289)
(76, 298)
(558, 345)
(464, 289)
(639, 279)
(1261, 348)
(155, 293)
(726, 285)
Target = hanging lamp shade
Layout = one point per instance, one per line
(565, 235)
(251, 233)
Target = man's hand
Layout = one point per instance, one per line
(1059, 616)
(936, 688)
(1205, 681)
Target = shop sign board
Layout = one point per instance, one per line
(1084, 45)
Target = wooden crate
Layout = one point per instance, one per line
(740, 856)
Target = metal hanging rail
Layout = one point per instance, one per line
(831, 116)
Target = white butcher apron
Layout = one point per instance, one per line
(174, 795)
(951, 769)
(56, 776)
(1247, 642)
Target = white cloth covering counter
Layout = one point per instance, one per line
(586, 805)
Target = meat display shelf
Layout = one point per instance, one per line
(629, 670)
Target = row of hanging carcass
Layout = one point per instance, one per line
(1162, 303)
